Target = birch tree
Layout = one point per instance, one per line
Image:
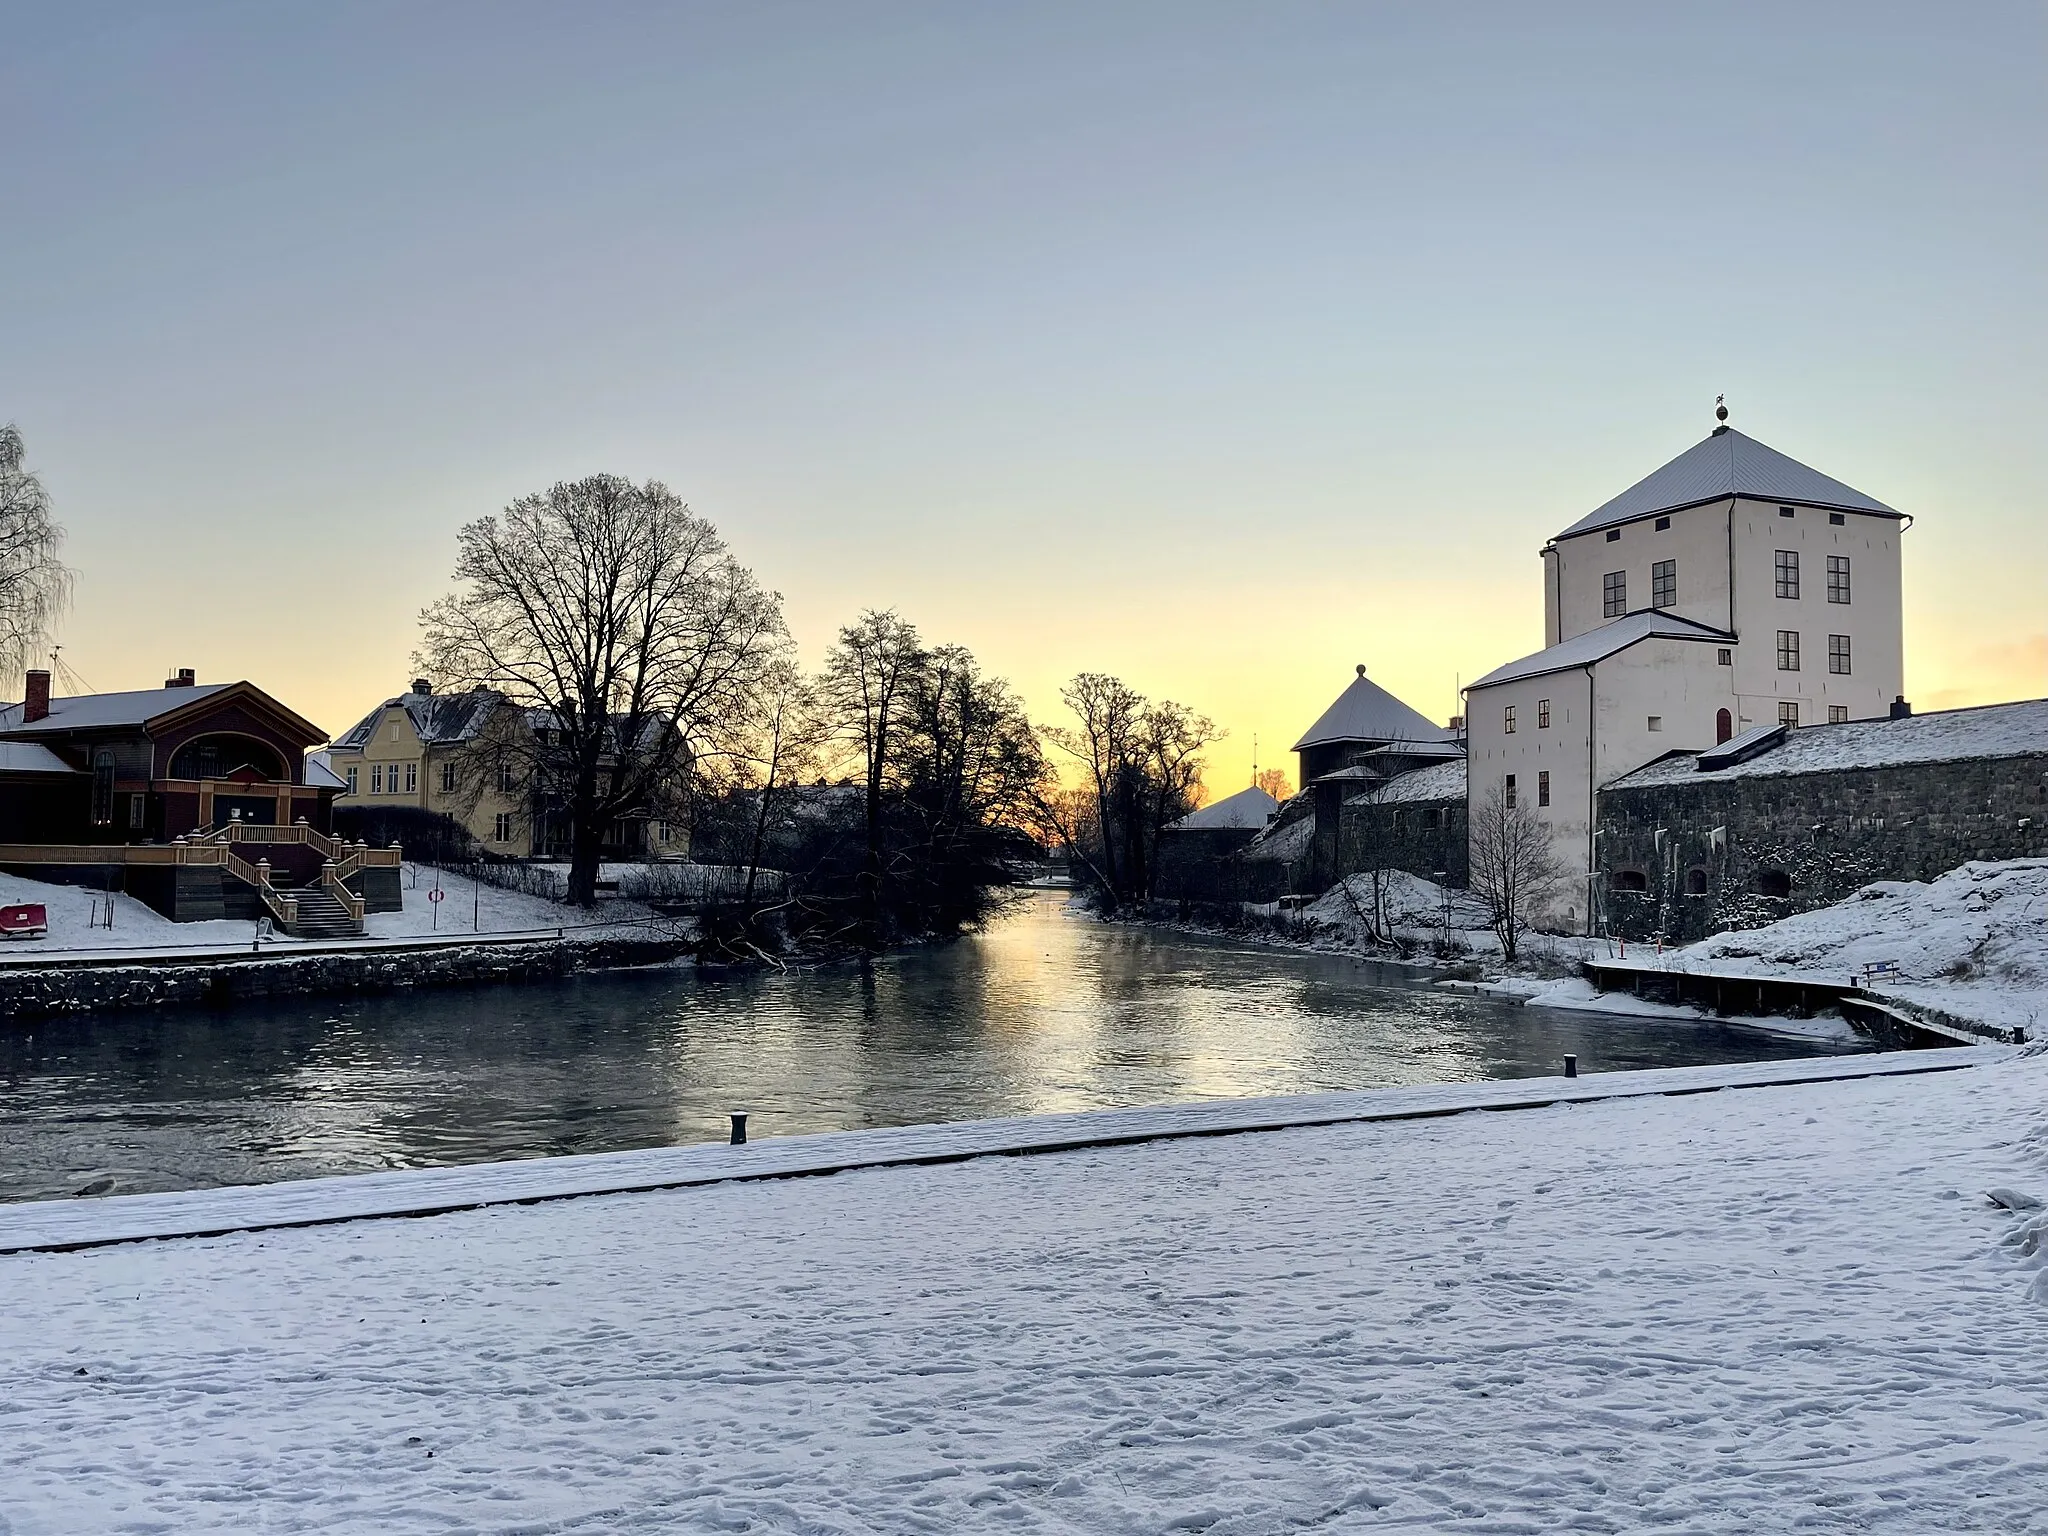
(35, 586)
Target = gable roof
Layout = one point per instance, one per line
(1245, 810)
(1725, 464)
(1599, 644)
(145, 706)
(1367, 712)
(1949, 735)
(437, 718)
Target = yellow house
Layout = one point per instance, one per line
(465, 756)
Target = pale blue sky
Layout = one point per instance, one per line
(1217, 347)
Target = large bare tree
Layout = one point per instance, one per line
(1514, 867)
(616, 618)
(35, 586)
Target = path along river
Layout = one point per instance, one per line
(1047, 1011)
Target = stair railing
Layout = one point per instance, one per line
(330, 879)
(280, 904)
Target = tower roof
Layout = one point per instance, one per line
(1367, 712)
(1726, 464)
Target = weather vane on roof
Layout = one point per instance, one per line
(1720, 408)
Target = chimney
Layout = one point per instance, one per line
(421, 685)
(185, 679)
(1901, 710)
(35, 702)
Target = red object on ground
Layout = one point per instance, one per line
(31, 920)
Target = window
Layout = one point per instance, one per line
(448, 777)
(1543, 714)
(412, 778)
(394, 730)
(1837, 519)
(1788, 573)
(1656, 722)
(1614, 535)
(1507, 720)
(138, 812)
(353, 770)
(508, 778)
(1628, 880)
(1696, 882)
(501, 828)
(1784, 511)
(1543, 787)
(1663, 524)
(1663, 583)
(376, 778)
(1838, 714)
(1614, 594)
(1788, 713)
(103, 786)
(1838, 655)
(1838, 578)
(1726, 657)
(1788, 650)
(1511, 791)
(1432, 817)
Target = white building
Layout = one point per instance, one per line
(1732, 588)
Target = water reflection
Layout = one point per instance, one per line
(1046, 1012)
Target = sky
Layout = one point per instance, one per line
(1220, 348)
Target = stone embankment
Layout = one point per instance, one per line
(86, 984)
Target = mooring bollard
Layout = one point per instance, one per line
(739, 1130)
(1571, 1066)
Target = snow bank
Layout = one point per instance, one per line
(1756, 1311)
(1973, 942)
(77, 918)
(1413, 903)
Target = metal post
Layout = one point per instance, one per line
(739, 1130)
(1571, 1066)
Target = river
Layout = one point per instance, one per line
(1046, 1011)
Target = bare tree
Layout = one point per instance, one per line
(788, 737)
(616, 620)
(866, 691)
(1513, 865)
(1143, 767)
(35, 586)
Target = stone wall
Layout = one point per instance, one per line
(1741, 850)
(1424, 837)
(78, 988)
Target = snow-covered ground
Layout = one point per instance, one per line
(1973, 942)
(1776, 1309)
(77, 917)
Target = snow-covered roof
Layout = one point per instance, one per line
(1950, 735)
(91, 711)
(31, 757)
(437, 718)
(1246, 810)
(1599, 644)
(320, 773)
(1422, 749)
(1367, 712)
(1727, 464)
(1439, 781)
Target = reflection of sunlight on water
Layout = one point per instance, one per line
(1047, 1011)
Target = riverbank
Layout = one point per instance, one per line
(1744, 1311)
(94, 980)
